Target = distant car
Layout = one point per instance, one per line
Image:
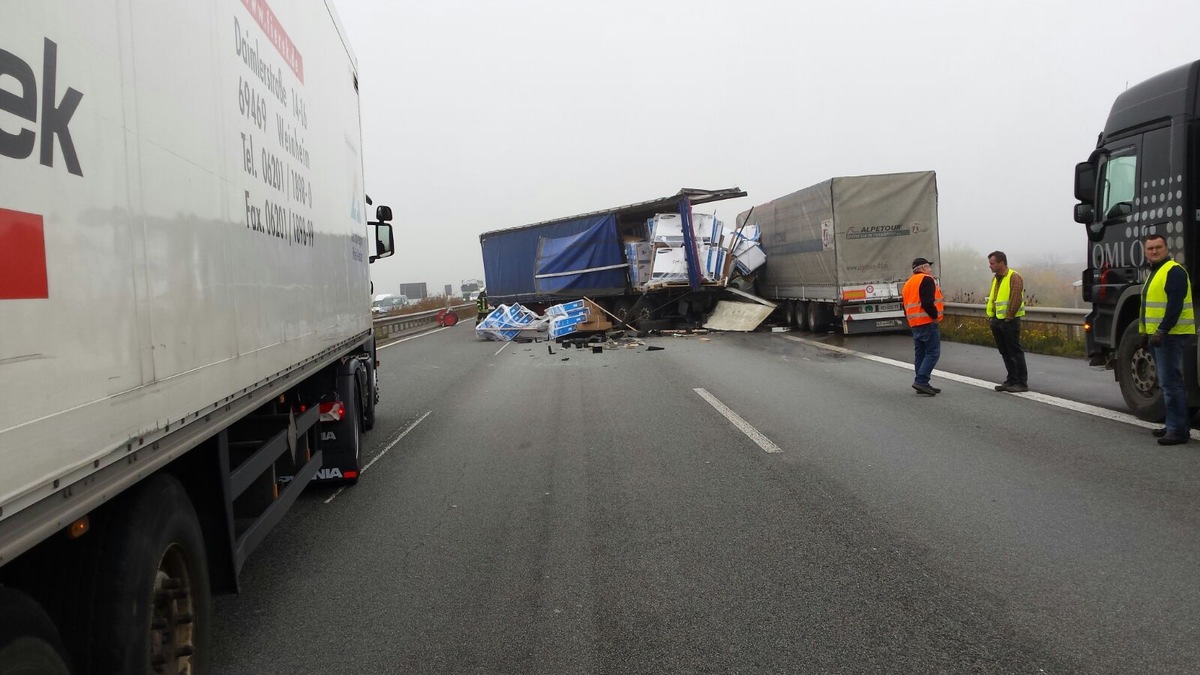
(385, 304)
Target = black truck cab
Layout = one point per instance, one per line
(1142, 178)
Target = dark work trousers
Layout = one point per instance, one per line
(1008, 341)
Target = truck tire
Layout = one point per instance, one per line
(1137, 376)
(29, 642)
(622, 308)
(788, 309)
(802, 322)
(816, 317)
(153, 602)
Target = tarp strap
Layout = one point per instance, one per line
(691, 250)
(573, 272)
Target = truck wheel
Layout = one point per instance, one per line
(816, 318)
(29, 642)
(788, 309)
(1138, 378)
(802, 322)
(622, 308)
(153, 602)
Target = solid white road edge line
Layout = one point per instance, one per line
(412, 337)
(1066, 404)
(501, 349)
(382, 453)
(744, 426)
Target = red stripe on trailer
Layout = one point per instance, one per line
(22, 257)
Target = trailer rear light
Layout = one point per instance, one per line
(1087, 327)
(349, 474)
(79, 528)
(333, 412)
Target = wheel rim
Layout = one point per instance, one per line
(1143, 373)
(172, 645)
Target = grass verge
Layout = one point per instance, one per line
(1038, 338)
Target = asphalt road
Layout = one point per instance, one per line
(529, 512)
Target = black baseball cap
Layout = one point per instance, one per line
(920, 261)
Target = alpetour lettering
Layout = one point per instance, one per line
(871, 231)
(249, 53)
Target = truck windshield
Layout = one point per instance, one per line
(1118, 178)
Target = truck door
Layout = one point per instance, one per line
(1136, 196)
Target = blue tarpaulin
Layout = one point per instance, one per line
(568, 258)
(584, 263)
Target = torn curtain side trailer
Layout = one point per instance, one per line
(838, 252)
(599, 254)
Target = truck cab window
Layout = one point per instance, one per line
(1118, 183)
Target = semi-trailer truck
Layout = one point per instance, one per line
(838, 253)
(1140, 179)
(590, 255)
(184, 311)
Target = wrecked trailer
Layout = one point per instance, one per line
(650, 263)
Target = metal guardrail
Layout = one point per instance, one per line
(387, 326)
(1066, 316)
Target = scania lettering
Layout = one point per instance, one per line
(1142, 178)
(215, 277)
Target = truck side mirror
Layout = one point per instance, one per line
(383, 213)
(385, 244)
(1085, 182)
(1085, 213)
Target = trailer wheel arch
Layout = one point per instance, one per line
(29, 641)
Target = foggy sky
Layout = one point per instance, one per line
(483, 114)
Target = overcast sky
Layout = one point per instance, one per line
(485, 114)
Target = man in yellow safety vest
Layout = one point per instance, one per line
(1167, 319)
(1005, 307)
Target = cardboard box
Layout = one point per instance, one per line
(751, 260)
(565, 325)
(597, 319)
(670, 266)
(639, 252)
(640, 273)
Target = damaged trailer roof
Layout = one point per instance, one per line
(646, 209)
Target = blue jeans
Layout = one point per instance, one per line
(927, 348)
(1168, 361)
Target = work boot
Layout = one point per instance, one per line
(1003, 387)
(925, 389)
(935, 389)
(1159, 433)
(1173, 440)
(1018, 387)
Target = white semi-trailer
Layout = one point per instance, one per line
(839, 252)
(185, 325)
